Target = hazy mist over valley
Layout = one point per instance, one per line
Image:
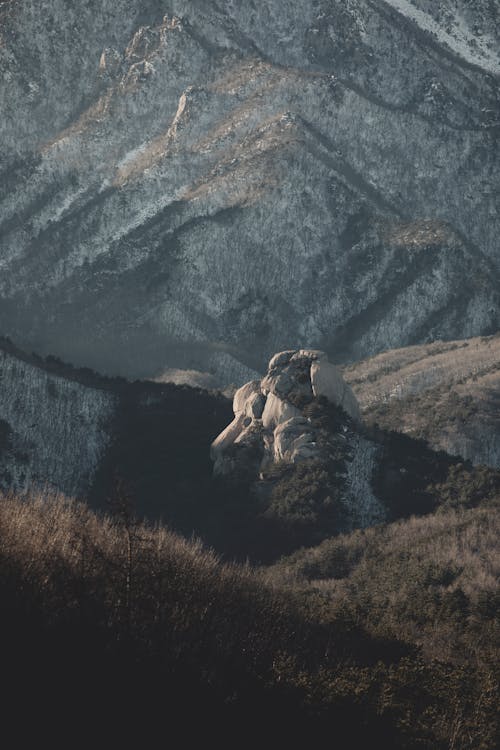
(250, 371)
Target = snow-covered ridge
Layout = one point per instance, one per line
(478, 50)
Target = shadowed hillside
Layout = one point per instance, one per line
(132, 620)
(76, 432)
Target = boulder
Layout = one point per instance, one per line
(277, 411)
(243, 394)
(270, 423)
(255, 406)
(327, 381)
(280, 359)
(294, 440)
(226, 439)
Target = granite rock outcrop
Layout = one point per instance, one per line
(269, 417)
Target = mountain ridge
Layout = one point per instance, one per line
(446, 393)
(170, 161)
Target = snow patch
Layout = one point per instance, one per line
(468, 46)
(364, 508)
(66, 205)
(132, 155)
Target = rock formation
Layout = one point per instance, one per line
(302, 416)
(269, 418)
(299, 442)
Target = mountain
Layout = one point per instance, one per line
(197, 185)
(296, 465)
(446, 393)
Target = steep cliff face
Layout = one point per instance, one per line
(445, 393)
(199, 184)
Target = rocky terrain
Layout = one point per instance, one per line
(447, 393)
(276, 424)
(299, 443)
(197, 185)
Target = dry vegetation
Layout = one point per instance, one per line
(430, 581)
(403, 372)
(445, 393)
(383, 638)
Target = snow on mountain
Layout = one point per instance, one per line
(475, 45)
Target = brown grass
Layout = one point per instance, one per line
(135, 616)
(430, 581)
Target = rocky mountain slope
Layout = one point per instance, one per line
(445, 393)
(314, 468)
(200, 184)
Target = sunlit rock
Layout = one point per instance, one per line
(327, 381)
(269, 415)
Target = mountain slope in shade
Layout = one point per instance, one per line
(445, 393)
(198, 185)
(76, 432)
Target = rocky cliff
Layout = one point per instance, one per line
(447, 393)
(199, 184)
(299, 442)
